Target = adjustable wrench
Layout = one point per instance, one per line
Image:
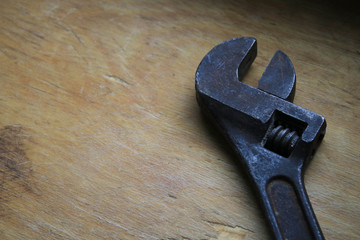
(273, 138)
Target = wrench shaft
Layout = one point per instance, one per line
(291, 214)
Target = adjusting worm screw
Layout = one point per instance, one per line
(282, 140)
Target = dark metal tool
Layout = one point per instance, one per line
(273, 138)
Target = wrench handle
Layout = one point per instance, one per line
(289, 210)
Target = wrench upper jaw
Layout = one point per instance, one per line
(221, 69)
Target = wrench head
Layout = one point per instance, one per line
(250, 117)
(227, 63)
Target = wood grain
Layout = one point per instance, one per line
(102, 138)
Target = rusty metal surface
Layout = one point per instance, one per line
(273, 138)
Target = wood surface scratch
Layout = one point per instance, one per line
(116, 78)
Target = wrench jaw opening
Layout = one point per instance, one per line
(273, 138)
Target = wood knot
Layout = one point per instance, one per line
(15, 167)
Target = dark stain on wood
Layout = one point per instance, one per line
(15, 167)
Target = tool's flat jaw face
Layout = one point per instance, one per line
(247, 116)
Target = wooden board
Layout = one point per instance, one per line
(101, 136)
